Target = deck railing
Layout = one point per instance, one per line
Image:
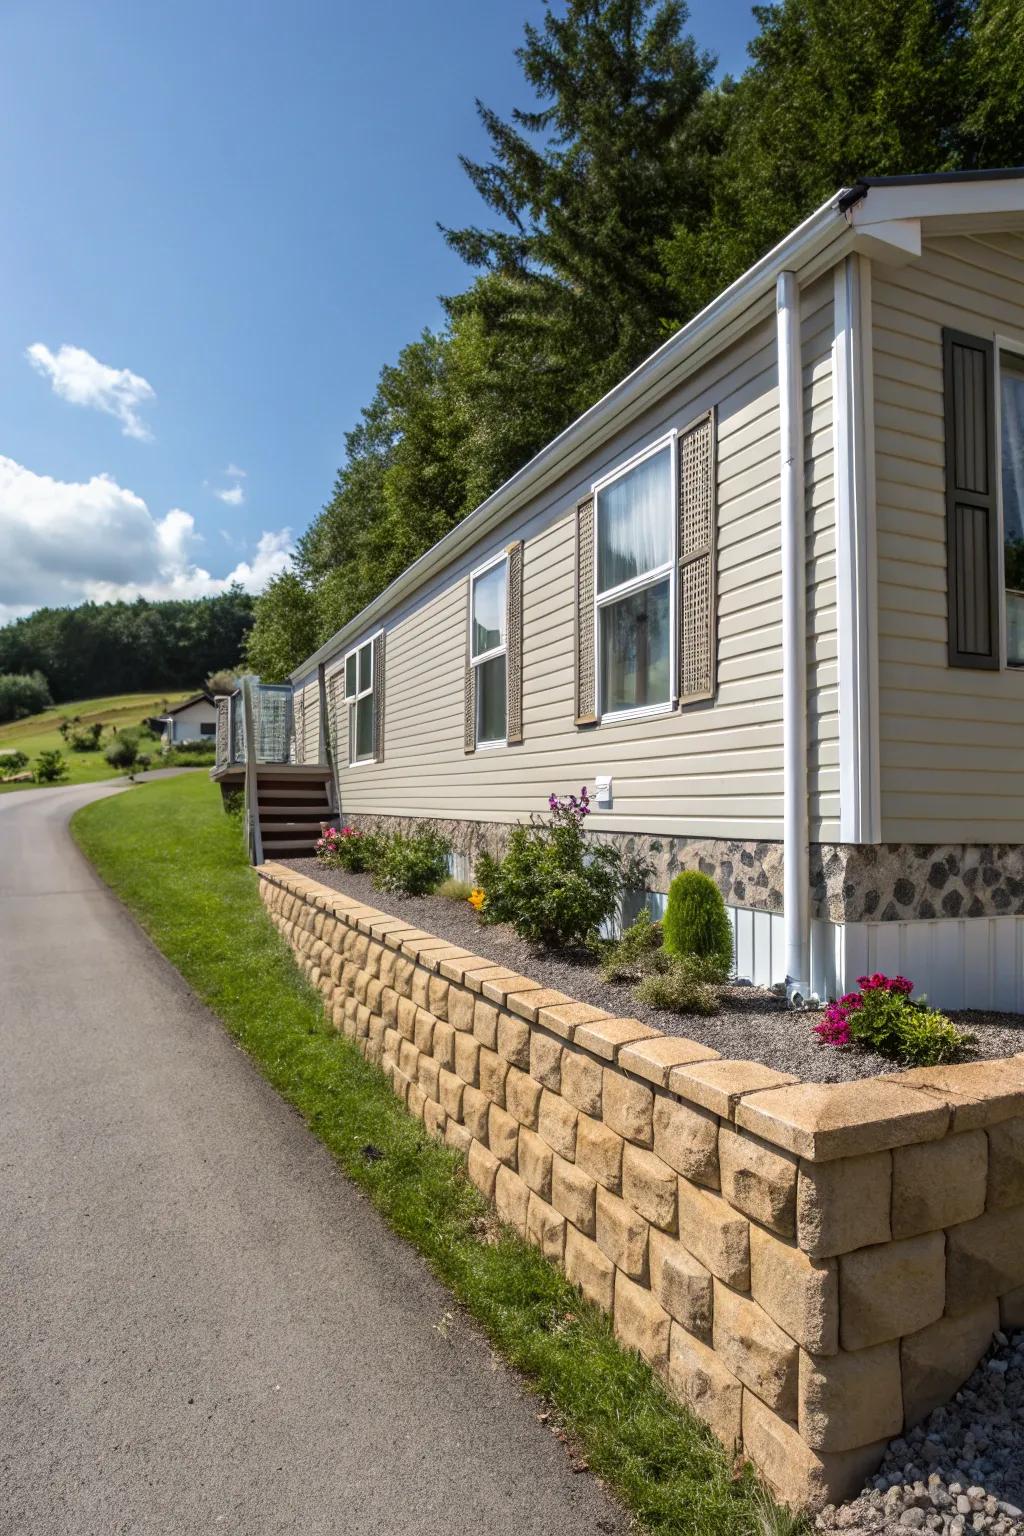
(261, 713)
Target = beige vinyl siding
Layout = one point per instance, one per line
(951, 740)
(713, 769)
(307, 721)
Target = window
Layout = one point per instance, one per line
(208, 728)
(359, 701)
(635, 587)
(1011, 410)
(487, 654)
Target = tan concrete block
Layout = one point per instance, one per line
(804, 1479)
(892, 1289)
(467, 1059)
(621, 1234)
(649, 1186)
(701, 1381)
(599, 1152)
(979, 1093)
(457, 1137)
(387, 968)
(715, 1234)
(502, 1135)
(1006, 1164)
(361, 983)
(800, 1293)
(529, 1002)
(687, 1139)
(628, 1107)
(512, 1199)
(415, 1099)
(654, 1059)
(546, 1060)
(640, 1322)
(485, 1024)
(476, 1113)
(939, 1183)
(449, 1091)
(428, 1076)
(758, 1179)
(850, 1399)
(1011, 1310)
(514, 1040)
(437, 996)
(443, 1045)
(435, 1119)
(373, 994)
(984, 1257)
(545, 1228)
(564, 1019)
(573, 1192)
(535, 1162)
(604, 1037)
(460, 1008)
(755, 1350)
(844, 1205)
(681, 1284)
(556, 1122)
(423, 1032)
(823, 1121)
(522, 1097)
(408, 1057)
(938, 1359)
(493, 1072)
(407, 1011)
(392, 1042)
(587, 1267)
(483, 1169)
(582, 1079)
(504, 987)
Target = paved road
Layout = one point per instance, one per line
(203, 1327)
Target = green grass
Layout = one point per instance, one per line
(39, 733)
(176, 860)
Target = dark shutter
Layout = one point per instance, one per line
(585, 660)
(972, 520)
(469, 696)
(378, 698)
(514, 645)
(697, 562)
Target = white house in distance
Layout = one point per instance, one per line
(193, 720)
(765, 597)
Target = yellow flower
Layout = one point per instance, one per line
(476, 900)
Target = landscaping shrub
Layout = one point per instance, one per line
(454, 890)
(637, 953)
(552, 886)
(344, 848)
(883, 1017)
(13, 762)
(50, 767)
(689, 985)
(123, 752)
(696, 922)
(409, 866)
(85, 738)
(189, 755)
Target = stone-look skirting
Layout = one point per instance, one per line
(850, 883)
(809, 1267)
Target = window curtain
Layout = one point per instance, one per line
(634, 517)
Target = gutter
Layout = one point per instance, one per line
(809, 249)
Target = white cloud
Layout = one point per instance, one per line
(234, 495)
(79, 377)
(62, 542)
(234, 473)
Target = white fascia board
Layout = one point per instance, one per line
(894, 241)
(810, 249)
(939, 199)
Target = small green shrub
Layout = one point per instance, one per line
(13, 762)
(687, 986)
(883, 1017)
(454, 890)
(344, 848)
(637, 953)
(188, 755)
(552, 886)
(696, 922)
(85, 738)
(123, 752)
(50, 767)
(409, 866)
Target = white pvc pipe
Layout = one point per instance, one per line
(796, 837)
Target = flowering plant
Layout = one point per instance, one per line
(569, 811)
(342, 848)
(476, 899)
(883, 1017)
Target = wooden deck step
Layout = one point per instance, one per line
(273, 832)
(293, 792)
(320, 809)
(298, 848)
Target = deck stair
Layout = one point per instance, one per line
(293, 804)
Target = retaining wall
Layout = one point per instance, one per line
(810, 1267)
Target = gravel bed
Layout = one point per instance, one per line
(754, 1024)
(962, 1470)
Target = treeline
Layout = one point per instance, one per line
(108, 648)
(630, 192)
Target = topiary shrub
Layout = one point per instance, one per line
(697, 924)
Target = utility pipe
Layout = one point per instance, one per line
(796, 835)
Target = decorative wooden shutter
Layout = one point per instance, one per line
(972, 519)
(378, 698)
(586, 668)
(697, 562)
(299, 717)
(337, 716)
(514, 645)
(469, 700)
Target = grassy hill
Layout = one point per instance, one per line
(39, 733)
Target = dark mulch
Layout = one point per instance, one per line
(754, 1025)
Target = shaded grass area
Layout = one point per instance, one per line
(176, 860)
(39, 733)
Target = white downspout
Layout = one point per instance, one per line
(796, 836)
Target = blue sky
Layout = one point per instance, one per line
(219, 221)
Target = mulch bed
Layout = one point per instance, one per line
(754, 1025)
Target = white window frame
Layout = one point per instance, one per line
(351, 700)
(491, 655)
(1014, 345)
(650, 578)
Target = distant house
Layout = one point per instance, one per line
(194, 720)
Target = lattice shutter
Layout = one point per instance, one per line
(469, 699)
(514, 644)
(299, 720)
(223, 731)
(337, 718)
(378, 698)
(697, 561)
(586, 669)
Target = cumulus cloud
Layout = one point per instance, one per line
(62, 542)
(234, 495)
(82, 379)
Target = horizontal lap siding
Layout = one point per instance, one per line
(950, 739)
(712, 770)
